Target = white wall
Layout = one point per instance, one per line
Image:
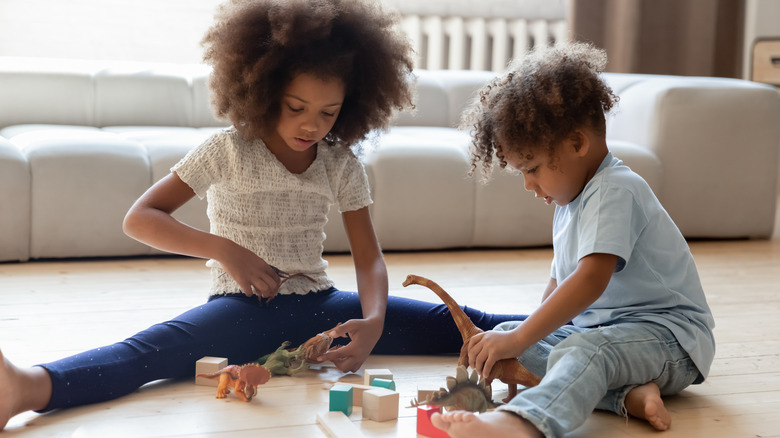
(151, 30)
(171, 30)
(762, 20)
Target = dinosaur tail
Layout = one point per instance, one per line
(212, 376)
(466, 328)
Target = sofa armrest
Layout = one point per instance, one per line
(718, 140)
(15, 203)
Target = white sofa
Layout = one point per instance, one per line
(80, 141)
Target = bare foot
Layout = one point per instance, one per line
(500, 424)
(21, 390)
(8, 393)
(645, 402)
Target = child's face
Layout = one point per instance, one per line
(310, 106)
(558, 177)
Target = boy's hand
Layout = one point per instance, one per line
(485, 349)
(364, 334)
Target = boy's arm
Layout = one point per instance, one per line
(551, 285)
(372, 287)
(570, 298)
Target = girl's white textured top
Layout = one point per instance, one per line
(256, 202)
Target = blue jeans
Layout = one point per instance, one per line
(594, 368)
(242, 329)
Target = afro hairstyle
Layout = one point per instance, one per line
(257, 47)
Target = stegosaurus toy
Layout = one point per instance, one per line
(463, 393)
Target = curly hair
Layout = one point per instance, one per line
(257, 47)
(541, 99)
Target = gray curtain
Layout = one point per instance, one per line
(679, 37)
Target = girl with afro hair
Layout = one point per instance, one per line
(623, 320)
(303, 82)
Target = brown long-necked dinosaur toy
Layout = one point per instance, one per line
(508, 371)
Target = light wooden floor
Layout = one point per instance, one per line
(51, 309)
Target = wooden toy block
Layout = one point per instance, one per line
(208, 365)
(357, 393)
(423, 392)
(424, 426)
(380, 404)
(337, 425)
(341, 399)
(383, 383)
(372, 374)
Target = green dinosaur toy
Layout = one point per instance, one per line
(284, 362)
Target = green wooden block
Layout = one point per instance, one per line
(383, 383)
(341, 399)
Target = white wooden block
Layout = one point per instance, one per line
(357, 392)
(372, 374)
(337, 425)
(209, 365)
(380, 404)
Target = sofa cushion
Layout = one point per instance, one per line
(421, 193)
(82, 184)
(165, 146)
(36, 92)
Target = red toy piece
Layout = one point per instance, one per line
(424, 425)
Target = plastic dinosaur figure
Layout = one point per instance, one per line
(288, 362)
(317, 345)
(284, 276)
(243, 379)
(284, 362)
(508, 371)
(463, 393)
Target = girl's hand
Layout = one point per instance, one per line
(485, 349)
(364, 334)
(253, 274)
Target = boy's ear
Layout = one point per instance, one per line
(580, 142)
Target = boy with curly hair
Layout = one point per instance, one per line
(622, 272)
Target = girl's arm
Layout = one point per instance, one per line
(149, 221)
(578, 291)
(372, 288)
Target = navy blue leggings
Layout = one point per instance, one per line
(242, 329)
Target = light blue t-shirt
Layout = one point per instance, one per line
(655, 278)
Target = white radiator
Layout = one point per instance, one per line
(474, 43)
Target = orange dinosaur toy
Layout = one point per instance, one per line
(243, 379)
(318, 345)
(508, 371)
